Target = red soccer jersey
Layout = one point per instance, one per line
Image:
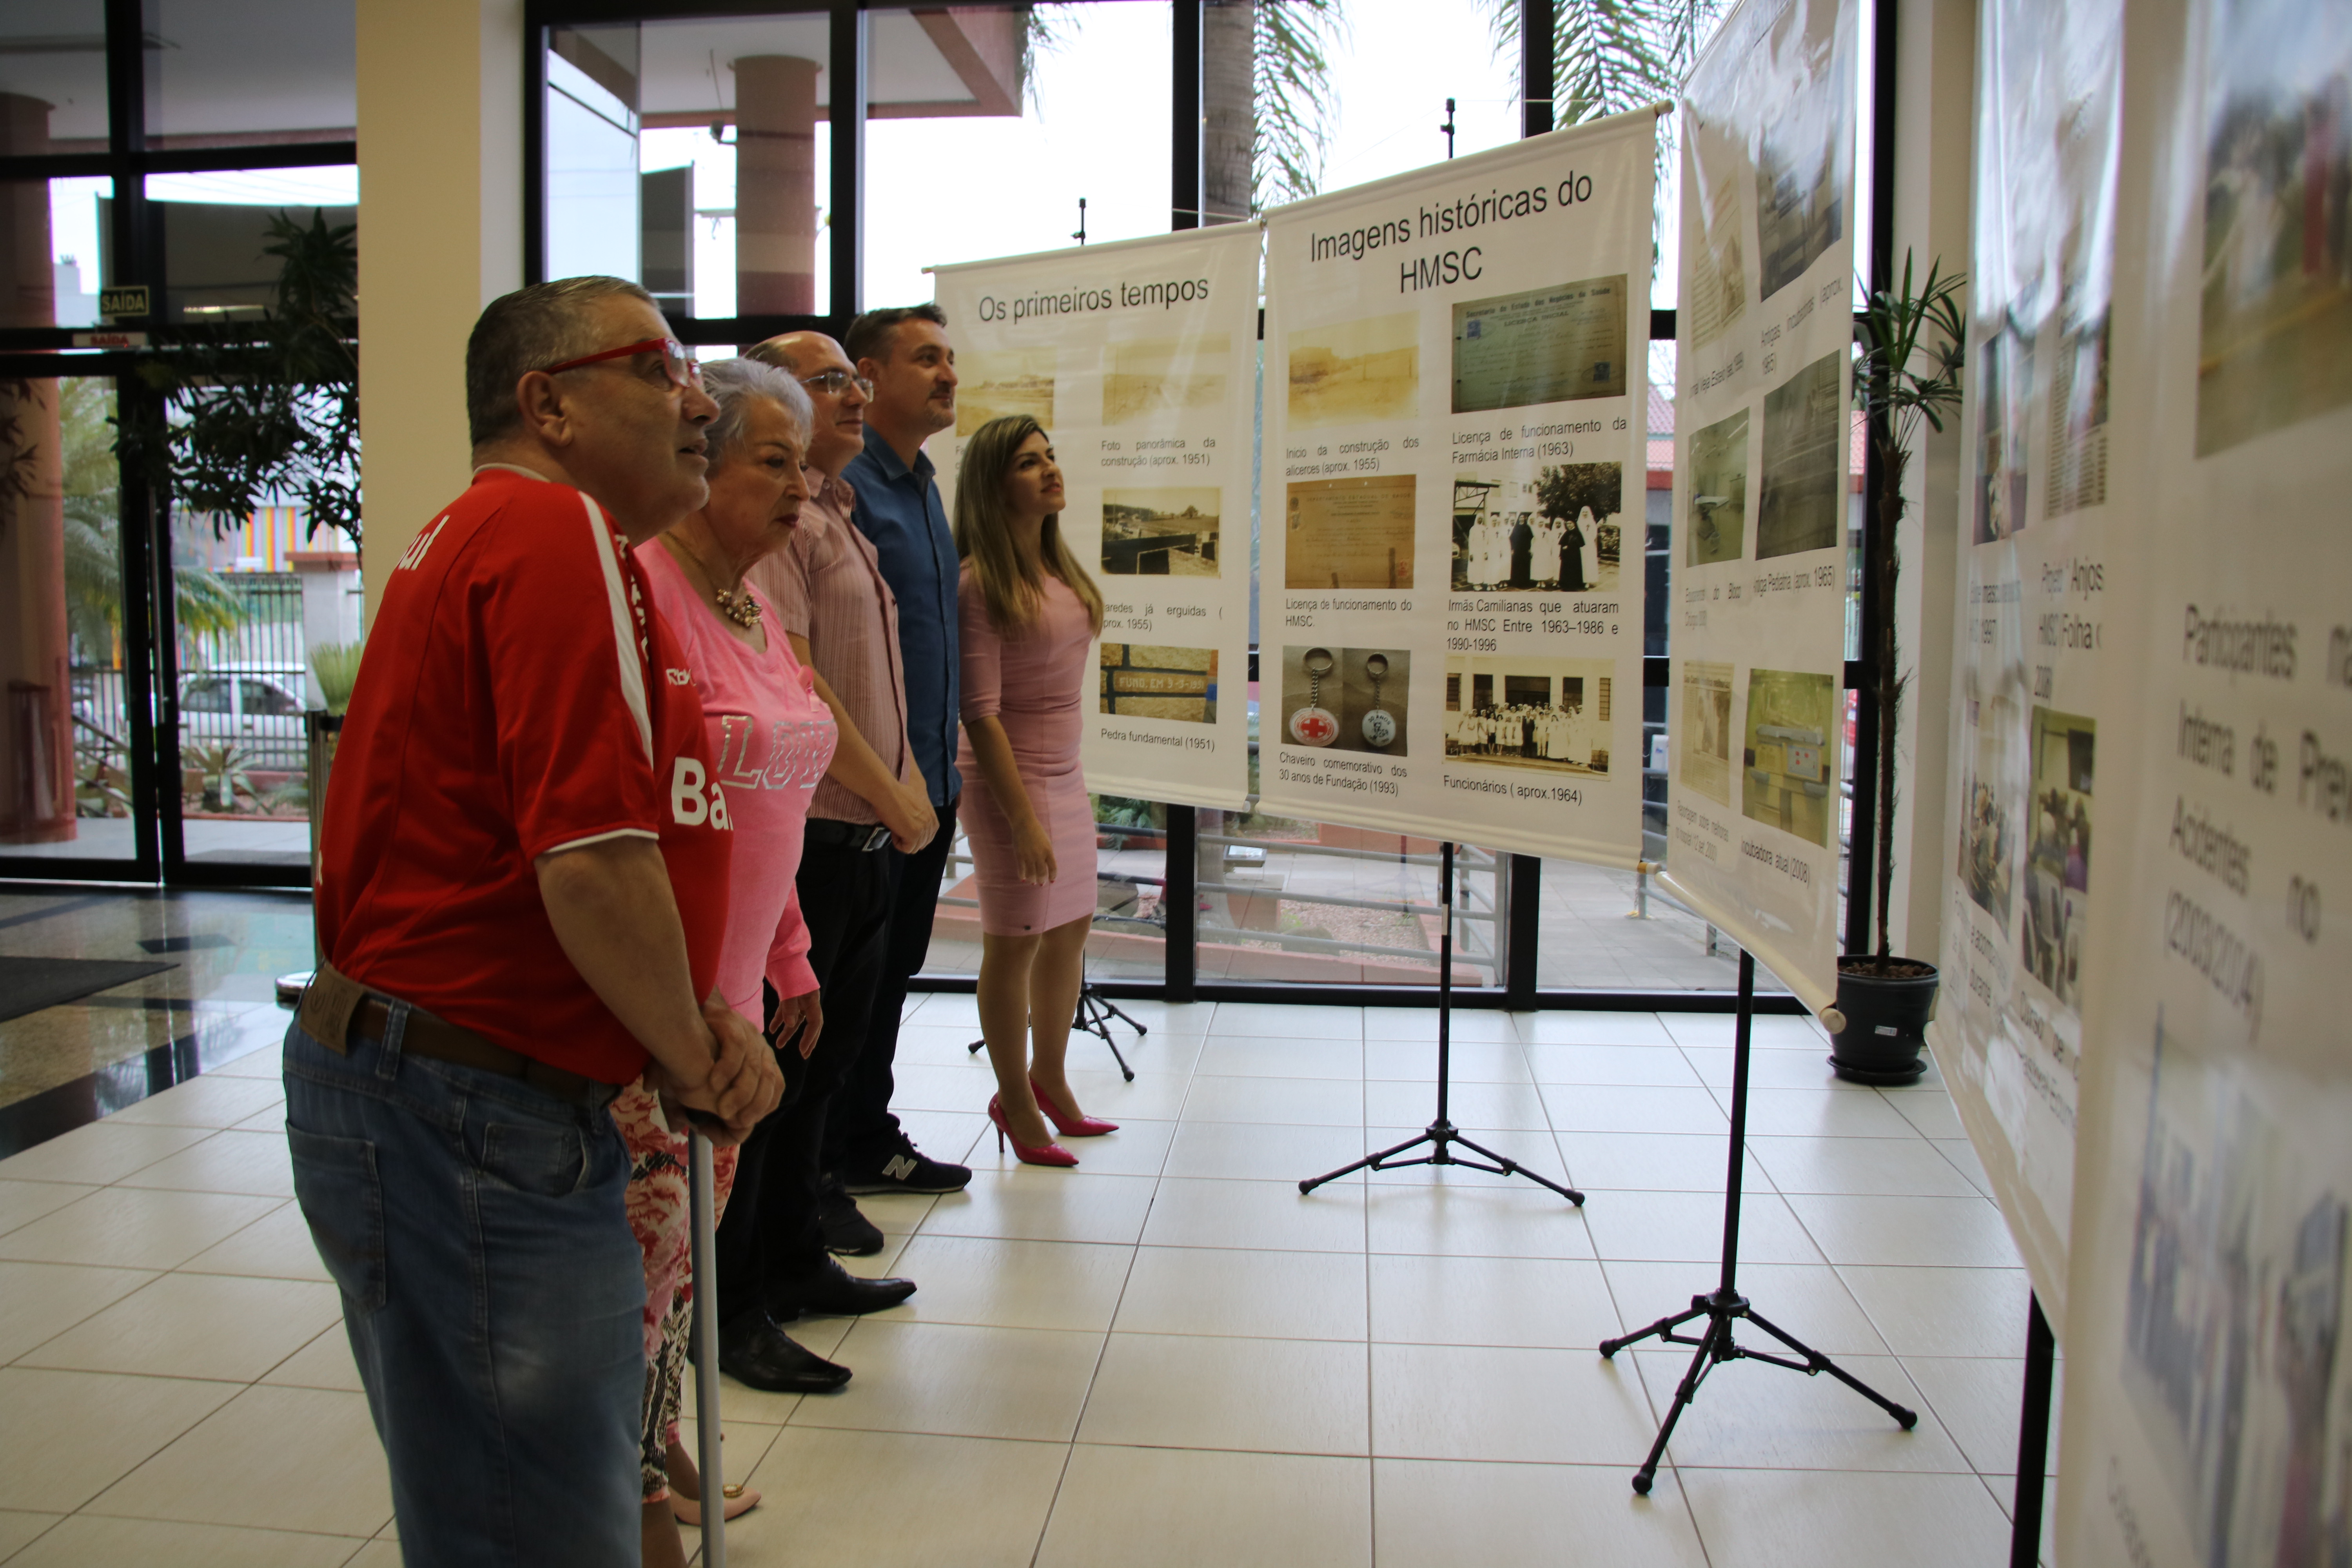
(519, 694)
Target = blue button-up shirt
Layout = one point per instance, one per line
(899, 509)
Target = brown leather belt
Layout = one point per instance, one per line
(336, 1007)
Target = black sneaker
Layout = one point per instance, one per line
(846, 1232)
(906, 1170)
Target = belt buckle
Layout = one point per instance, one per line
(877, 837)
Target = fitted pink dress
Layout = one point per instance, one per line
(1033, 684)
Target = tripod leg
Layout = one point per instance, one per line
(1368, 1163)
(1718, 1331)
(1662, 1329)
(1513, 1168)
(1816, 1361)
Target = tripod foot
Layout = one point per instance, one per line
(1905, 1418)
(1642, 1480)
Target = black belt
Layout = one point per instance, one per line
(336, 1009)
(863, 837)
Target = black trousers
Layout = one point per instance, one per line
(771, 1232)
(861, 1131)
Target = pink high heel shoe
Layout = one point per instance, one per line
(1067, 1125)
(1028, 1154)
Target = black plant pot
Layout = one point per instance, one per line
(1885, 1021)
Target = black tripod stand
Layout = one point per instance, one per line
(1441, 1134)
(1727, 1305)
(1095, 1013)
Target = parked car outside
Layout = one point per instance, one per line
(258, 708)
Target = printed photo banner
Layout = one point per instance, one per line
(2029, 655)
(1140, 361)
(1763, 485)
(1457, 394)
(2209, 1354)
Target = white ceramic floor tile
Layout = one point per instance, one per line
(1963, 1156)
(1290, 1101)
(1753, 1413)
(1430, 1513)
(1477, 1108)
(1808, 1300)
(1035, 1205)
(1905, 1166)
(284, 1459)
(1190, 1391)
(1657, 1162)
(1654, 1066)
(1243, 1151)
(1249, 1056)
(277, 1246)
(211, 1100)
(125, 1227)
(1978, 1399)
(1262, 1216)
(326, 1363)
(1472, 1061)
(21, 1203)
(1526, 1302)
(918, 1087)
(1266, 1019)
(253, 1164)
(1139, 1508)
(1766, 1070)
(38, 1300)
(1529, 1151)
(1848, 1112)
(1263, 1295)
(70, 1435)
(1467, 1024)
(90, 1541)
(1839, 1518)
(196, 1325)
(1687, 1227)
(1582, 1028)
(1152, 1097)
(1519, 1220)
(1548, 1406)
(1864, 1229)
(1768, 1031)
(19, 1529)
(102, 1152)
(958, 1381)
(1931, 1113)
(1943, 1311)
(1623, 1108)
(834, 1496)
(1008, 1284)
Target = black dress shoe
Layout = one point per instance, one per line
(830, 1290)
(847, 1231)
(753, 1350)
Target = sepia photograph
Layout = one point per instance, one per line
(1161, 532)
(2078, 420)
(1549, 715)
(2004, 383)
(1788, 769)
(1561, 533)
(993, 383)
(2058, 851)
(1146, 680)
(1346, 699)
(1715, 282)
(1351, 372)
(1546, 345)
(1349, 534)
(2274, 344)
(1800, 500)
(1988, 816)
(1715, 515)
(1703, 749)
(1150, 379)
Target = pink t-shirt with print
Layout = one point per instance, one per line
(772, 739)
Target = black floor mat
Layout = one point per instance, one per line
(29, 984)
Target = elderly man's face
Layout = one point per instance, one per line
(839, 431)
(628, 435)
(757, 491)
(915, 387)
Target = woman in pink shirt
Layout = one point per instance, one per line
(772, 739)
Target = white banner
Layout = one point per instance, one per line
(1763, 485)
(1140, 361)
(1451, 620)
(2209, 1359)
(2029, 632)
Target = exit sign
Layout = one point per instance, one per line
(117, 304)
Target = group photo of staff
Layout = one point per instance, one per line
(1525, 712)
(1560, 533)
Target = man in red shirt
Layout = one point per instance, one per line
(522, 885)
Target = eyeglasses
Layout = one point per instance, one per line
(682, 371)
(833, 383)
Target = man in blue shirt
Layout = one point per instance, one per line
(906, 353)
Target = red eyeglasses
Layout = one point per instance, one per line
(682, 371)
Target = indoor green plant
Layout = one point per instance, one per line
(1906, 379)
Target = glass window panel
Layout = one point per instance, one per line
(53, 77)
(57, 237)
(244, 73)
(65, 752)
(1129, 936)
(216, 229)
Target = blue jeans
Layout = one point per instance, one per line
(493, 1294)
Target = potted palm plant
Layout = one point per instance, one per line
(1906, 380)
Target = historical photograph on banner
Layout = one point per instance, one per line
(1455, 434)
(1139, 361)
(2030, 643)
(1766, 495)
(2208, 1310)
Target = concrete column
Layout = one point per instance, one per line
(440, 133)
(775, 185)
(1936, 42)
(37, 766)
(1228, 108)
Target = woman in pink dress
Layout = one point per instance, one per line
(772, 738)
(1028, 614)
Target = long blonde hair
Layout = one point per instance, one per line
(983, 532)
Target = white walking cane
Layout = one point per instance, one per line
(706, 1351)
